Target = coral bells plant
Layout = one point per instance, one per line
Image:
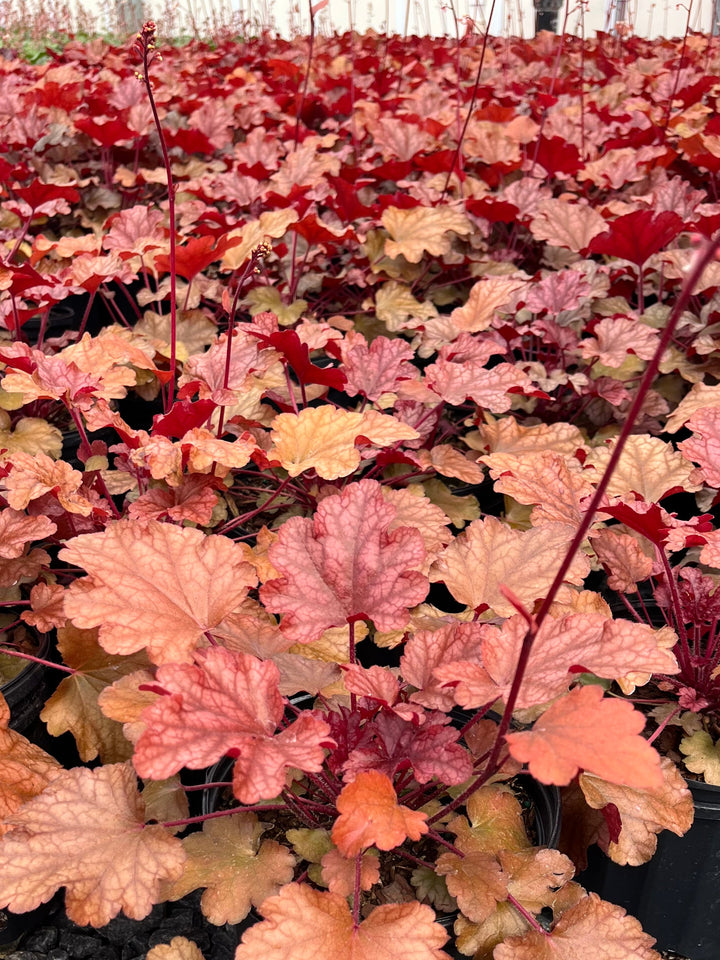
(373, 484)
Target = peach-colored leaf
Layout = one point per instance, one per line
(47, 607)
(563, 224)
(584, 731)
(476, 880)
(535, 875)
(451, 462)
(204, 453)
(157, 586)
(487, 296)
(227, 702)
(591, 641)
(237, 868)
(643, 813)
(338, 872)
(345, 564)
(547, 480)
(422, 229)
(489, 555)
(427, 649)
(370, 816)
(701, 395)
(33, 476)
(616, 337)
(648, 466)
(506, 435)
(375, 682)
(593, 929)
(415, 510)
(305, 924)
(25, 769)
(17, 530)
(324, 439)
(455, 381)
(74, 705)
(23, 569)
(86, 831)
(179, 948)
(704, 446)
(623, 558)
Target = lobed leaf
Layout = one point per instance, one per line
(86, 831)
(583, 731)
(157, 586)
(370, 815)
(305, 924)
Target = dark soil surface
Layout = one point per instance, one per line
(56, 938)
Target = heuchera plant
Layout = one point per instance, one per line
(389, 425)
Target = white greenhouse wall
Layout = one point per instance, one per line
(648, 18)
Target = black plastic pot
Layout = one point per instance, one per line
(545, 801)
(26, 693)
(676, 896)
(15, 925)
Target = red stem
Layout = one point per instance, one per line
(148, 48)
(473, 98)
(45, 663)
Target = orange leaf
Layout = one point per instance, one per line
(546, 479)
(305, 924)
(535, 875)
(371, 816)
(47, 602)
(157, 586)
(17, 530)
(496, 822)
(86, 831)
(583, 731)
(32, 477)
(593, 929)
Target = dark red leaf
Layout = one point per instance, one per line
(297, 354)
(638, 235)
